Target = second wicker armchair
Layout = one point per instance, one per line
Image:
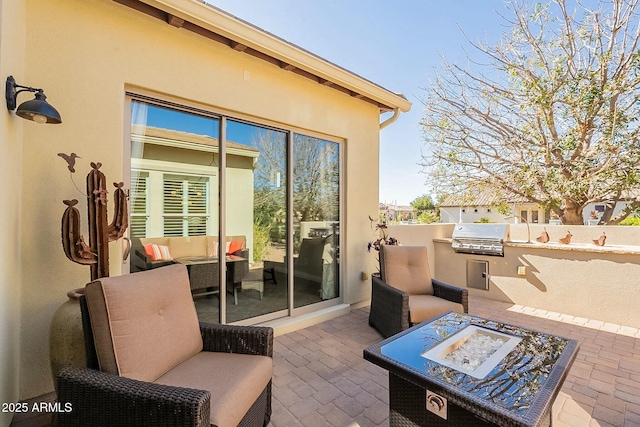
(405, 293)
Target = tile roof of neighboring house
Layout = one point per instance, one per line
(384, 206)
(631, 194)
(489, 198)
(485, 198)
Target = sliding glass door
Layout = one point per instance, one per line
(256, 206)
(174, 196)
(253, 205)
(316, 219)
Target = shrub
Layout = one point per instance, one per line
(483, 220)
(631, 220)
(260, 241)
(428, 217)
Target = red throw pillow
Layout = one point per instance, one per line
(235, 246)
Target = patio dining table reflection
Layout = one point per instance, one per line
(204, 274)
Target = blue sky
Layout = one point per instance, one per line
(394, 44)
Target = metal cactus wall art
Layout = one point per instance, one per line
(96, 253)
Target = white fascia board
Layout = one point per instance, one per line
(217, 21)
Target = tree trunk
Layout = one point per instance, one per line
(628, 210)
(608, 214)
(572, 214)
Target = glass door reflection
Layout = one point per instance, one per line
(256, 189)
(316, 219)
(174, 197)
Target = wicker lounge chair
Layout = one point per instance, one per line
(307, 265)
(405, 294)
(151, 363)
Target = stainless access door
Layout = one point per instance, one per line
(478, 274)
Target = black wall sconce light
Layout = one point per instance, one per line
(38, 109)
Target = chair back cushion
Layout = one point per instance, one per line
(406, 268)
(187, 246)
(143, 323)
(310, 259)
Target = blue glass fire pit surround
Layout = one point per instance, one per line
(521, 388)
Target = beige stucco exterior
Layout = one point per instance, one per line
(86, 54)
(12, 43)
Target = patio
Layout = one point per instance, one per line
(321, 379)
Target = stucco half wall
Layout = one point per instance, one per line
(86, 54)
(580, 279)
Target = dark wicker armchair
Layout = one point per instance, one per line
(405, 293)
(224, 380)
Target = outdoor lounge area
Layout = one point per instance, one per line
(254, 166)
(321, 379)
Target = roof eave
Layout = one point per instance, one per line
(290, 55)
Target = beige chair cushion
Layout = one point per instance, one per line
(188, 246)
(234, 380)
(424, 307)
(144, 323)
(406, 268)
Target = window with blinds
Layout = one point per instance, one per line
(138, 202)
(185, 205)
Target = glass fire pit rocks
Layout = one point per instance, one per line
(473, 350)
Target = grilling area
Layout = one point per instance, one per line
(483, 239)
(578, 278)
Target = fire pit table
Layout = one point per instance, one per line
(457, 369)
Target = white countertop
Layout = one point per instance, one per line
(577, 247)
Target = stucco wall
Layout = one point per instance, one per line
(11, 63)
(454, 214)
(85, 54)
(421, 235)
(586, 281)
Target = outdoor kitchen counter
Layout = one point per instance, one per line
(573, 247)
(580, 279)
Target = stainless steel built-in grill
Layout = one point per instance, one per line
(483, 239)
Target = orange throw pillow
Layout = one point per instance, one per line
(235, 246)
(157, 252)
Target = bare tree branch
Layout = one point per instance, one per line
(556, 121)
